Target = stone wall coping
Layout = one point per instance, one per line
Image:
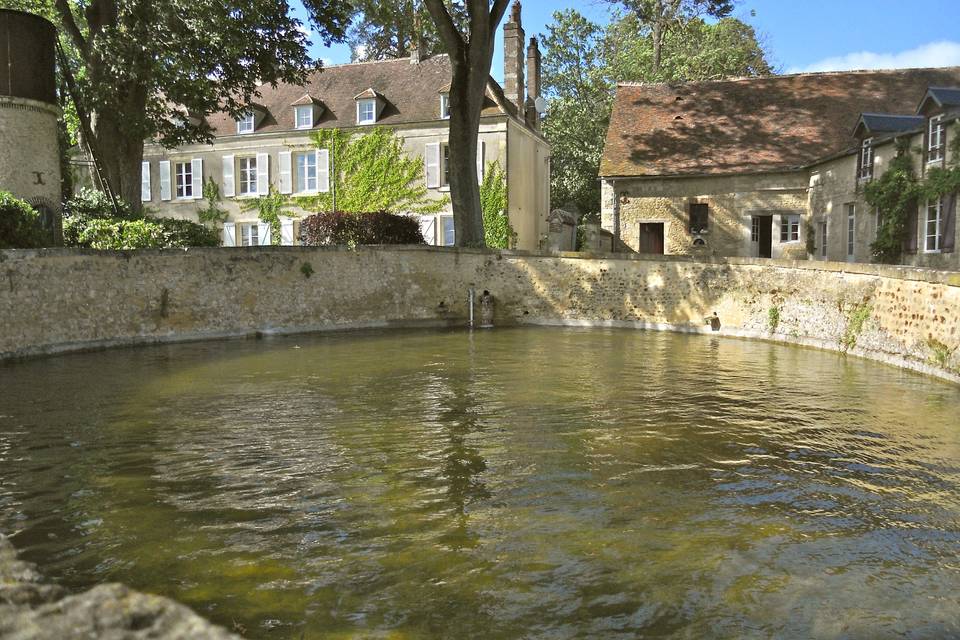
(902, 272)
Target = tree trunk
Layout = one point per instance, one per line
(658, 20)
(465, 107)
(120, 158)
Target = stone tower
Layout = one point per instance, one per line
(29, 149)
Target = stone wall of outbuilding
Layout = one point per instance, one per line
(62, 300)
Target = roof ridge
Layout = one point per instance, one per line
(788, 75)
(384, 60)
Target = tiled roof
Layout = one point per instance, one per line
(754, 124)
(410, 92)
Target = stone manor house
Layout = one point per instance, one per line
(271, 146)
(751, 167)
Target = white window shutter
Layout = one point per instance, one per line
(323, 170)
(481, 148)
(263, 232)
(145, 181)
(284, 168)
(286, 231)
(164, 179)
(229, 234)
(428, 227)
(432, 165)
(263, 175)
(197, 172)
(229, 189)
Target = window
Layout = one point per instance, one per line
(248, 175)
(245, 124)
(444, 105)
(823, 239)
(754, 229)
(851, 229)
(250, 235)
(184, 171)
(866, 160)
(790, 228)
(367, 111)
(303, 117)
(306, 172)
(933, 226)
(699, 217)
(449, 235)
(935, 137)
(444, 165)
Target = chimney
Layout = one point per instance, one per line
(416, 42)
(533, 82)
(513, 39)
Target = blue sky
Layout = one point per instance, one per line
(802, 35)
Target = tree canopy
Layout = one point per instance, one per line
(383, 29)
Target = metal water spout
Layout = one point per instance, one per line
(471, 294)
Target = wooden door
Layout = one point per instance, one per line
(651, 238)
(765, 236)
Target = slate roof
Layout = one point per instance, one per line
(752, 125)
(943, 96)
(872, 123)
(409, 90)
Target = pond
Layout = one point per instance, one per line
(535, 483)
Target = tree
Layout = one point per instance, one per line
(385, 29)
(471, 53)
(664, 15)
(584, 62)
(152, 69)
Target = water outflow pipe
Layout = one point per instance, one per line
(471, 292)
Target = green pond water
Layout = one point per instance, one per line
(513, 483)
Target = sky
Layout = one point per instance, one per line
(799, 35)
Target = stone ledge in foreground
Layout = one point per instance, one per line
(33, 610)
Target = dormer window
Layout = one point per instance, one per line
(367, 111)
(866, 160)
(246, 123)
(935, 139)
(303, 116)
(445, 106)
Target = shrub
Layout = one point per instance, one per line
(340, 228)
(119, 234)
(93, 204)
(20, 225)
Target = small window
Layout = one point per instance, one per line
(304, 117)
(449, 234)
(866, 161)
(307, 172)
(790, 228)
(445, 106)
(851, 230)
(246, 123)
(934, 225)
(754, 229)
(367, 111)
(184, 172)
(699, 217)
(935, 135)
(250, 235)
(248, 175)
(444, 165)
(823, 239)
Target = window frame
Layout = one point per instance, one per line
(935, 204)
(297, 110)
(246, 124)
(823, 238)
(372, 102)
(935, 124)
(691, 228)
(789, 228)
(851, 210)
(442, 231)
(303, 185)
(866, 161)
(249, 231)
(183, 191)
(247, 175)
(445, 165)
(444, 106)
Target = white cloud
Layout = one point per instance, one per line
(934, 54)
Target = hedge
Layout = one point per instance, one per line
(340, 228)
(20, 224)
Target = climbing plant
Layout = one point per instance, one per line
(493, 201)
(895, 195)
(212, 212)
(269, 208)
(370, 171)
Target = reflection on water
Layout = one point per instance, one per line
(515, 483)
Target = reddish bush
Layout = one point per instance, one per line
(380, 227)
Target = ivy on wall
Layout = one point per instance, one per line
(371, 172)
(269, 208)
(493, 201)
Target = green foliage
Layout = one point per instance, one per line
(810, 238)
(90, 203)
(371, 172)
(354, 229)
(583, 63)
(895, 195)
(856, 318)
(941, 353)
(773, 318)
(120, 234)
(306, 269)
(493, 201)
(212, 212)
(20, 224)
(384, 29)
(269, 208)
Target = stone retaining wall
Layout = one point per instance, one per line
(62, 300)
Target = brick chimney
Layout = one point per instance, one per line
(513, 39)
(533, 82)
